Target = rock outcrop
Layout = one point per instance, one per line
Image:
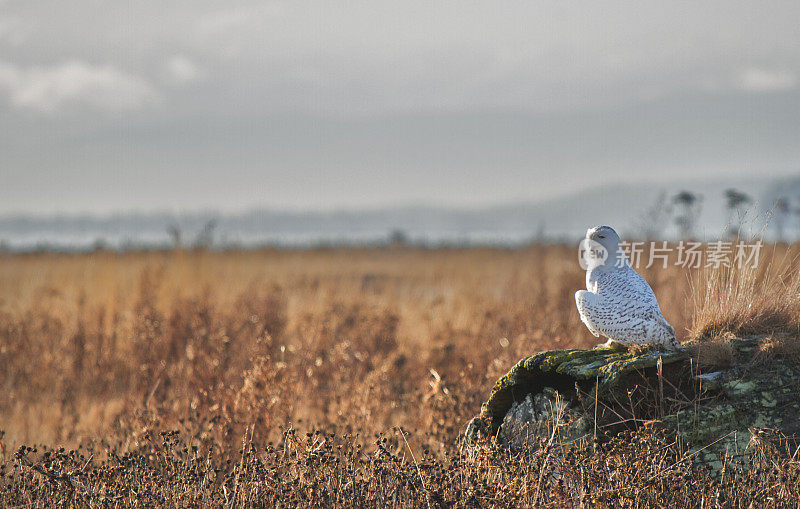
(715, 406)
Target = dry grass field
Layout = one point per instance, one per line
(329, 377)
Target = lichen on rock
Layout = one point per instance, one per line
(575, 374)
(750, 398)
(565, 395)
(545, 416)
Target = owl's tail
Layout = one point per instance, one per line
(670, 341)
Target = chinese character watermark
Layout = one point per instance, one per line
(690, 254)
(686, 254)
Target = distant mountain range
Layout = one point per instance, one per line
(636, 210)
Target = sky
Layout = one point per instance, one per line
(150, 105)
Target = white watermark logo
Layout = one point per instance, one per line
(686, 254)
(591, 253)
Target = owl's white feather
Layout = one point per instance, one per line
(618, 303)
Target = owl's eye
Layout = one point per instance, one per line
(601, 236)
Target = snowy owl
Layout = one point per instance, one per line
(618, 303)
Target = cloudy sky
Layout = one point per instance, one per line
(111, 105)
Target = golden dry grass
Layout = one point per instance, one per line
(242, 352)
(87, 337)
(749, 300)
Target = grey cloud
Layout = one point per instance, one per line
(310, 104)
(372, 57)
(180, 70)
(762, 80)
(74, 82)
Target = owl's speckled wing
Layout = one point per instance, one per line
(620, 305)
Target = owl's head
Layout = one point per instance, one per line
(606, 237)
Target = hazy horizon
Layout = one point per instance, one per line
(634, 209)
(700, 186)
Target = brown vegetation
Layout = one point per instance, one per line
(327, 377)
(749, 300)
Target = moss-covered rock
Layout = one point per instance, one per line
(575, 374)
(574, 394)
(545, 415)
